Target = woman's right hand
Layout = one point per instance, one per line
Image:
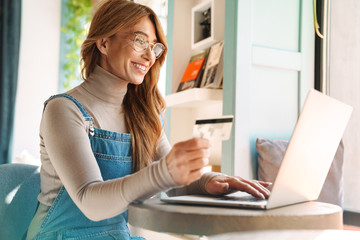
(186, 160)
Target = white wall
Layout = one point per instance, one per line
(345, 86)
(274, 71)
(38, 70)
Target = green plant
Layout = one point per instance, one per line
(77, 17)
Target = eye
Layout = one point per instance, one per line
(140, 40)
(140, 43)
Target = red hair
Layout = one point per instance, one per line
(143, 104)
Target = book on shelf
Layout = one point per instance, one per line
(194, 71)
(213, 73)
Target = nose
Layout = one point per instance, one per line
(148, 53)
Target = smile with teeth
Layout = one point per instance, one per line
(141, 67)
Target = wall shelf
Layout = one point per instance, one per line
(217, 9)
(195, 97)
(198, 103)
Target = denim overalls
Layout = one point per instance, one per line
(64, 220)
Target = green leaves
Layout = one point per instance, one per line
(77, 18)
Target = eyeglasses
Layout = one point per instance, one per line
(141, 44)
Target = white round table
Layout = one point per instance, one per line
(290, 234)
(200, 220)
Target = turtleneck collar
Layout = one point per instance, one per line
(105, 86)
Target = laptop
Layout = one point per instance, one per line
(306, 162)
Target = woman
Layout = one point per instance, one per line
(102, 143)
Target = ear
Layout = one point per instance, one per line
(103, 45)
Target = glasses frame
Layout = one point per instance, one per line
(142, 47)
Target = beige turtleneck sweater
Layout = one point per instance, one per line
(67, 158)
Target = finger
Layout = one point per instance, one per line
(194, 143)
(259, 187)
(255, 184)
(198, 163)
(265, 187)
(242, 185)
(196, 154)
(265, 184)
(262, 185)
(187, 157)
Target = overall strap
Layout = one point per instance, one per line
(85, 114)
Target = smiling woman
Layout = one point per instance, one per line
(104, 46)
(111, 149)
(131, 42)
(103, 144)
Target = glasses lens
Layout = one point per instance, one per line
(140, 44)
(158, 49)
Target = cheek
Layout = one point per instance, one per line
(122, 52)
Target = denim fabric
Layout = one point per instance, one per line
(64, 220)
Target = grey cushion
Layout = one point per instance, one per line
(271, 153)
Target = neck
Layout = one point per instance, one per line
(105, 86)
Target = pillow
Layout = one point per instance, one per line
(271, 153)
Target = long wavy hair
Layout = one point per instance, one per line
(143, 103)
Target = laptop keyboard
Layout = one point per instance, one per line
(242, 198)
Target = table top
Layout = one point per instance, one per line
(155, 215)
(289, 234)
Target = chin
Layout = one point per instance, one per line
(137, 82)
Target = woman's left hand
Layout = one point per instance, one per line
(223, 184)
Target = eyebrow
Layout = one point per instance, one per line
(145, 34)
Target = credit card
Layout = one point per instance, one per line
(214, 129)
